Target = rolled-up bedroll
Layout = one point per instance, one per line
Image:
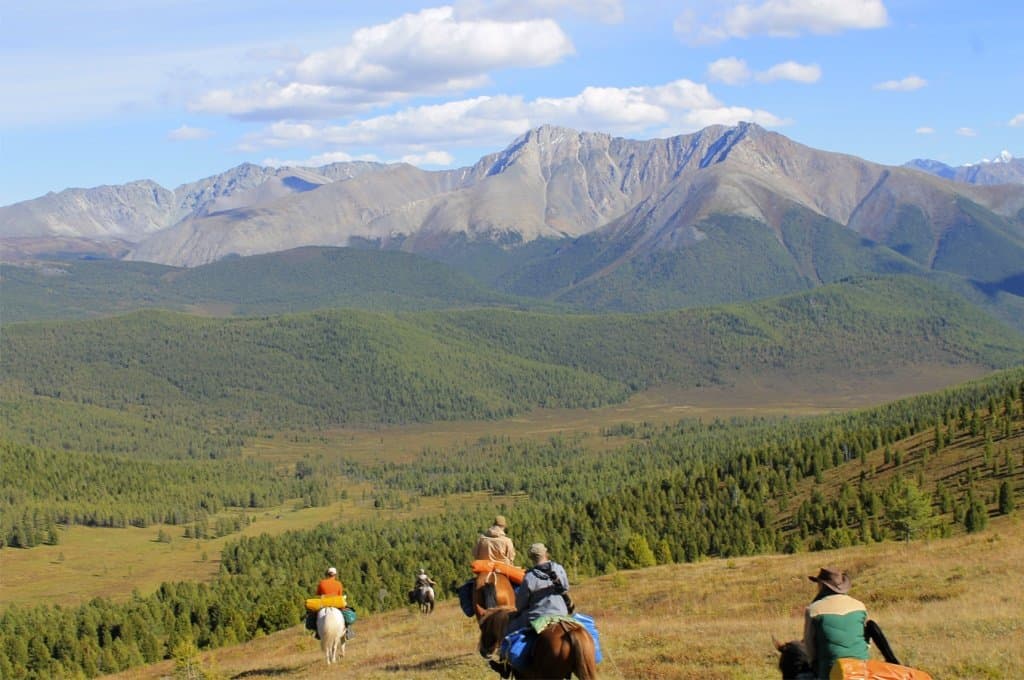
(315, 604)
(514, 573)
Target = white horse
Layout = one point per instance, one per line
(330, 626)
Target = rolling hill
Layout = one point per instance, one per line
(290, 281)
(334, 367)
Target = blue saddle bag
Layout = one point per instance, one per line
(588, 623)
(517, 647)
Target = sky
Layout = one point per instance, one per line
(109, 91)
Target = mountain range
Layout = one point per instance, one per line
(1003, 169)
(578, 218)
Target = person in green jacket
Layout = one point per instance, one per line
(834, 623)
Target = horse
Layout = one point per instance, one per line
(330, 628)
(492, 589)
(423, 595)
(561, 650)
(794, 662)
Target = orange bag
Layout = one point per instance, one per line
(855, 669)
(515, 574)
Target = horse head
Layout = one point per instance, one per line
(794, 662)
(493, 623)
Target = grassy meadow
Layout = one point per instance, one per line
(951, 607)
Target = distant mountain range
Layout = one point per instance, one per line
(1003, 169)
(577, 218)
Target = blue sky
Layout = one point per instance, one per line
(109, 91)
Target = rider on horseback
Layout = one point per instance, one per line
(424, 581)
(543, 593)
(331, 586)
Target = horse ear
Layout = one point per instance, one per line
(778, 645)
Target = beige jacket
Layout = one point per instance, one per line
(494, 545)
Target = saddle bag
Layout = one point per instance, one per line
(466, 597)
(855, 669)
(349, 614)
(517, 647)
(588, 623)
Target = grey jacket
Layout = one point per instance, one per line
(540, 594)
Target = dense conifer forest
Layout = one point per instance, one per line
(178, 385)
(672, 494)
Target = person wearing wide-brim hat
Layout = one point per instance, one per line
(834, 622)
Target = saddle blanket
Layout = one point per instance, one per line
(517, 647)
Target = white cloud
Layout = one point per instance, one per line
(187, 133)
(716, 21)
(1017, 120)
(605, 11)
(672, 108)
(729, 70)
(442, 158)
(435, 48)
(425, 53)
(907, 84)
(925, 130)
(791, 70)
(966, 132)
(318, 160)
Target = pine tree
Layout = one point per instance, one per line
(1007, 503)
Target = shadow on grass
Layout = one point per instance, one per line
(439, 663)
(265, 672)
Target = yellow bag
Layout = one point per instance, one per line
(315, 604)
(855, 669)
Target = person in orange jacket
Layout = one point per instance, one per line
(330, 585)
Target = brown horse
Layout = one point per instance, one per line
(492, 589)
(561, 650)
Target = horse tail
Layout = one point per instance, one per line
(583, 652)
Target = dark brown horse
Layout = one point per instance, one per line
(561, 650)
(794, 662)
(492, 589)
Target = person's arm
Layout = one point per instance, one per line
(563, 577)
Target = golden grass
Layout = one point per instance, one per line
(952, 607)
(100, 562)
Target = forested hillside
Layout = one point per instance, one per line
(290, 281)
(104, 381)
(935, 464)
